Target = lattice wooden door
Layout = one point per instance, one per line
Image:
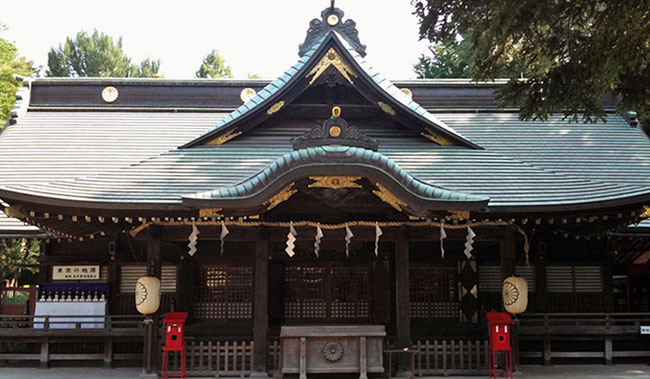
(327, 292)
(225, 293)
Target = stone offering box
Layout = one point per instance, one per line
(332, 349)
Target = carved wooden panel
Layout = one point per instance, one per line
(434, 291)
(224, 293)
(327, 292)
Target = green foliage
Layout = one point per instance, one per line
(214, 67)
(10, 64)
(148, 68)
(570, 52)
(96, 55)
(253, 76)
(18, 256)
(449, 59)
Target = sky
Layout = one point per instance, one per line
(254, 36)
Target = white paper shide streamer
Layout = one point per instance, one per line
(319, 236)
(224, 233)
(194, 237)
(443, 235)
(291, 238)
(469, 242)
(348, 239)
(378, 234)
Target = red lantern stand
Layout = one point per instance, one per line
(174, 341)
(500, 324)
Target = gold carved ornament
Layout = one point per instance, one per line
(437, 138)
(386, 108)
(388, 197)
(247, 94)
(331, 58)
(646, 211)
(210, 212)
(225, 137)
(110, 94)
(458, 215)
(280, 197)
(275, 107)
(335, 182)
(407, 92)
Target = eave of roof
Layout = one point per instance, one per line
(344, 160)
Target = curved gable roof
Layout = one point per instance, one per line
(291, 84)
(344, 160)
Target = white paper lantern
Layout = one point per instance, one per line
(147, 294)
(515, 294)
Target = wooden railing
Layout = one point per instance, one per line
(453, 357)
(211, 357)
(603, 335)
(49, 338)
(34, 325)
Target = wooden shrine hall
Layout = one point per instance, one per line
(330, 198)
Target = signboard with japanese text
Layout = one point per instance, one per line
(77, 272)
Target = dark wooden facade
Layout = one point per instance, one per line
(332, 145)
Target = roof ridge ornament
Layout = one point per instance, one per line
(332, 21)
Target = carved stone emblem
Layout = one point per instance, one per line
(333, 351)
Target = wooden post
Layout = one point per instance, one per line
(151, 346)
(108, 352)
(260, 315)
(402, 302)
(508, 260)
(45, 352)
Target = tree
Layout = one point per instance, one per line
(253, 76)
(214, 67)
(96, 55)
(449, 59)
(570, 52)
(148, 69)
(10, 64)
(16, 257)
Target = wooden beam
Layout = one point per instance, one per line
(260, 306)
(154, 268)
(402, 302)
(508, 260)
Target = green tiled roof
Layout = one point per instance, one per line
(272, 92)
(338, 156)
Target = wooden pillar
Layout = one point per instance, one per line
(151, 353)
(260, 306)
(541, 300)
(402, 302)
(508, 260)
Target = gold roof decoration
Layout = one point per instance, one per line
(275, 107)
(332, 58)
(437, 138)
(280, 197)
(388, 197)
(110, 94)
(407, 92)
(225, 137)
(335, 182)
(247, 94)
(386, 108)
